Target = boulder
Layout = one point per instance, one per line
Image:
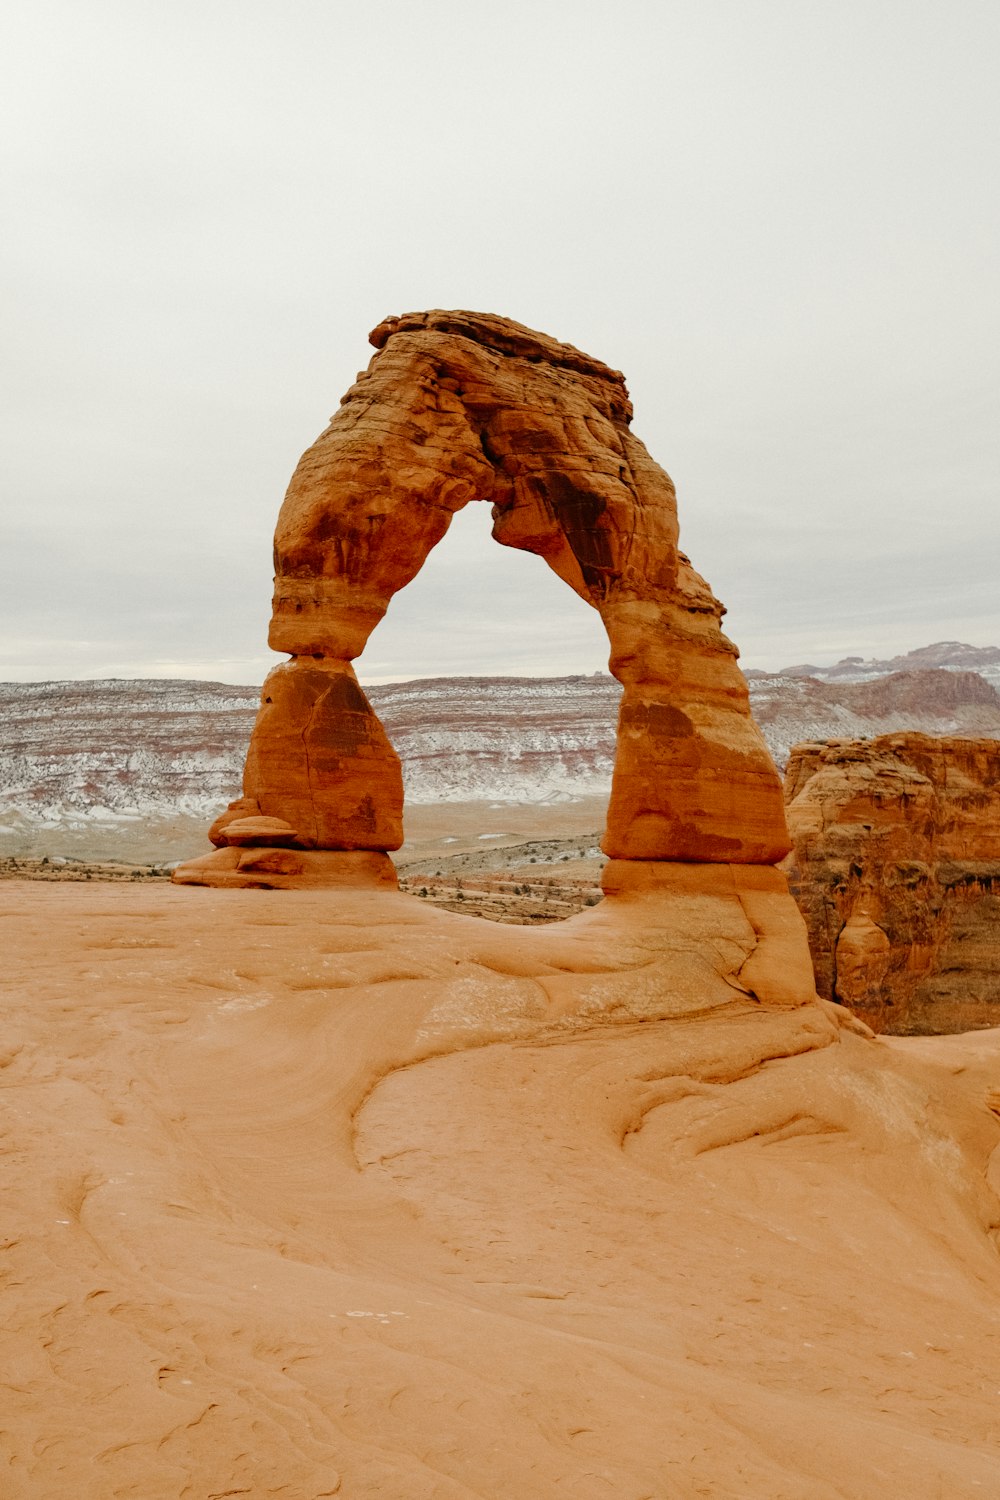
(247, 832)
(275, 869)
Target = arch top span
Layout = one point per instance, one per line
(457, 407)
(505, 336)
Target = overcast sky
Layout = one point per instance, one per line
(778, 217)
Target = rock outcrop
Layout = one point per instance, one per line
(457, 407)
(896, 868)
(335, 1194)
(319, 754)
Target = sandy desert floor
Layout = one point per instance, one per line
(433, 829)
(313, 1193)
(510, 862)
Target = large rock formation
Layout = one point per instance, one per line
(896, 868)
(457, 407)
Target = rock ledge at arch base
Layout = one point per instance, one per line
(458, 408)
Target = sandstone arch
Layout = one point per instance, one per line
(458, 407)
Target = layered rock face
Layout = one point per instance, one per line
(320, 759)
(896, 867)
(457, 407)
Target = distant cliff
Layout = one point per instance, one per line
(938, 700)
(896, 868)
(950, 655)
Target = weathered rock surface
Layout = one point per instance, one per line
(320, 760)
(457, 407)
(278, 868)
(319, 1193)
(896, 867)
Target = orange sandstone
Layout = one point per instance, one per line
(457, 407)
(314, 1193)
(896, 867)
(323, 1192)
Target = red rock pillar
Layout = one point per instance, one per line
(320, 760)
(321, 776)
(693, 777)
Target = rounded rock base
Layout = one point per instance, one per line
(272, 869)
(706, 907)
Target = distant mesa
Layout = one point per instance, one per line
(935, 700)
(949, 655)
(459, 407)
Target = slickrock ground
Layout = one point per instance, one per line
(328, 1193)
(896, 868)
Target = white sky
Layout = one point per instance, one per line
(778, 217)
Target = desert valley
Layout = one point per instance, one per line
(625, 1124)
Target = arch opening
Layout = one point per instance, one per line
(434, 627)
(506, 762)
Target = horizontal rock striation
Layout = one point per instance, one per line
(791, 708)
